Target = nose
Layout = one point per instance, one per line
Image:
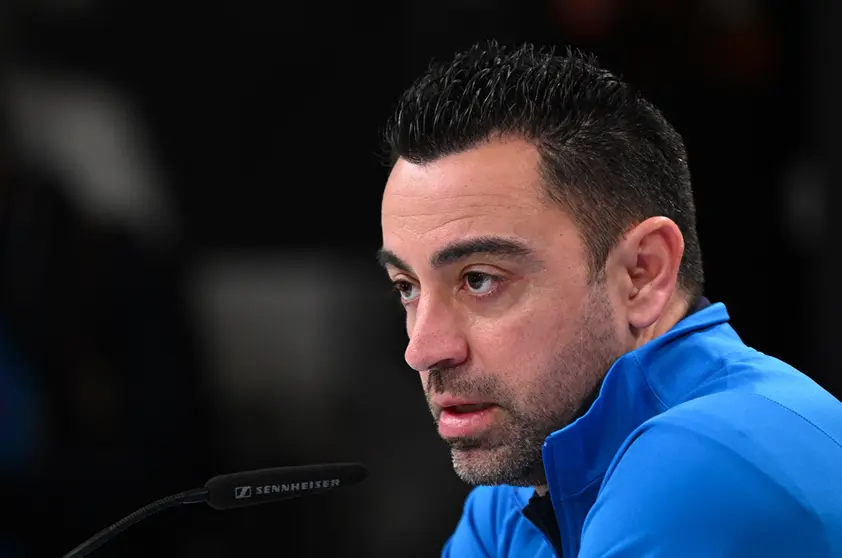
(436, 337)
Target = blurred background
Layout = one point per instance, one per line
(189, 211)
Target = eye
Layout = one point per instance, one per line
(479, 283)
(407, 290)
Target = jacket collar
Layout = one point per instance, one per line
(579, 454)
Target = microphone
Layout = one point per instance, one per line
(237, 490)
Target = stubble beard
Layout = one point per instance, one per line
(511, 453)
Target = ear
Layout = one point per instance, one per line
(646, 266)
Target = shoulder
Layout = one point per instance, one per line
(727, 377)
(734, 473)
(492, 524)
(756, 406)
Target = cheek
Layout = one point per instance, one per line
(519, 348)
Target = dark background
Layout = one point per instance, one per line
(189, 210)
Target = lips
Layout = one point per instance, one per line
(462, 418)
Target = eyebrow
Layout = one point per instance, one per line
(460, 250)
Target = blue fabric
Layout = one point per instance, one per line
(696, 446)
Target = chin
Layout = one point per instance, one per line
(495, 466)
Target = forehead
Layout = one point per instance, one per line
(493, 190)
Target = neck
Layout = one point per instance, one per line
(675, 310)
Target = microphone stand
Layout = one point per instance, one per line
(234, 490)
(194, 496)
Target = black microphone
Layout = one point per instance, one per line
(237, 490)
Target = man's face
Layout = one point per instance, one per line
(506, 331)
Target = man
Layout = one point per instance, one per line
(539, 227)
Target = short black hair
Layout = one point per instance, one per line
(608, 156)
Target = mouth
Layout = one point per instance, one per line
(465, 408)
(463, 420)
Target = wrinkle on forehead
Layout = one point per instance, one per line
(441, 205)
(409, 194)
(421, 218)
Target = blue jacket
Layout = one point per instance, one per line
(697, 446)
